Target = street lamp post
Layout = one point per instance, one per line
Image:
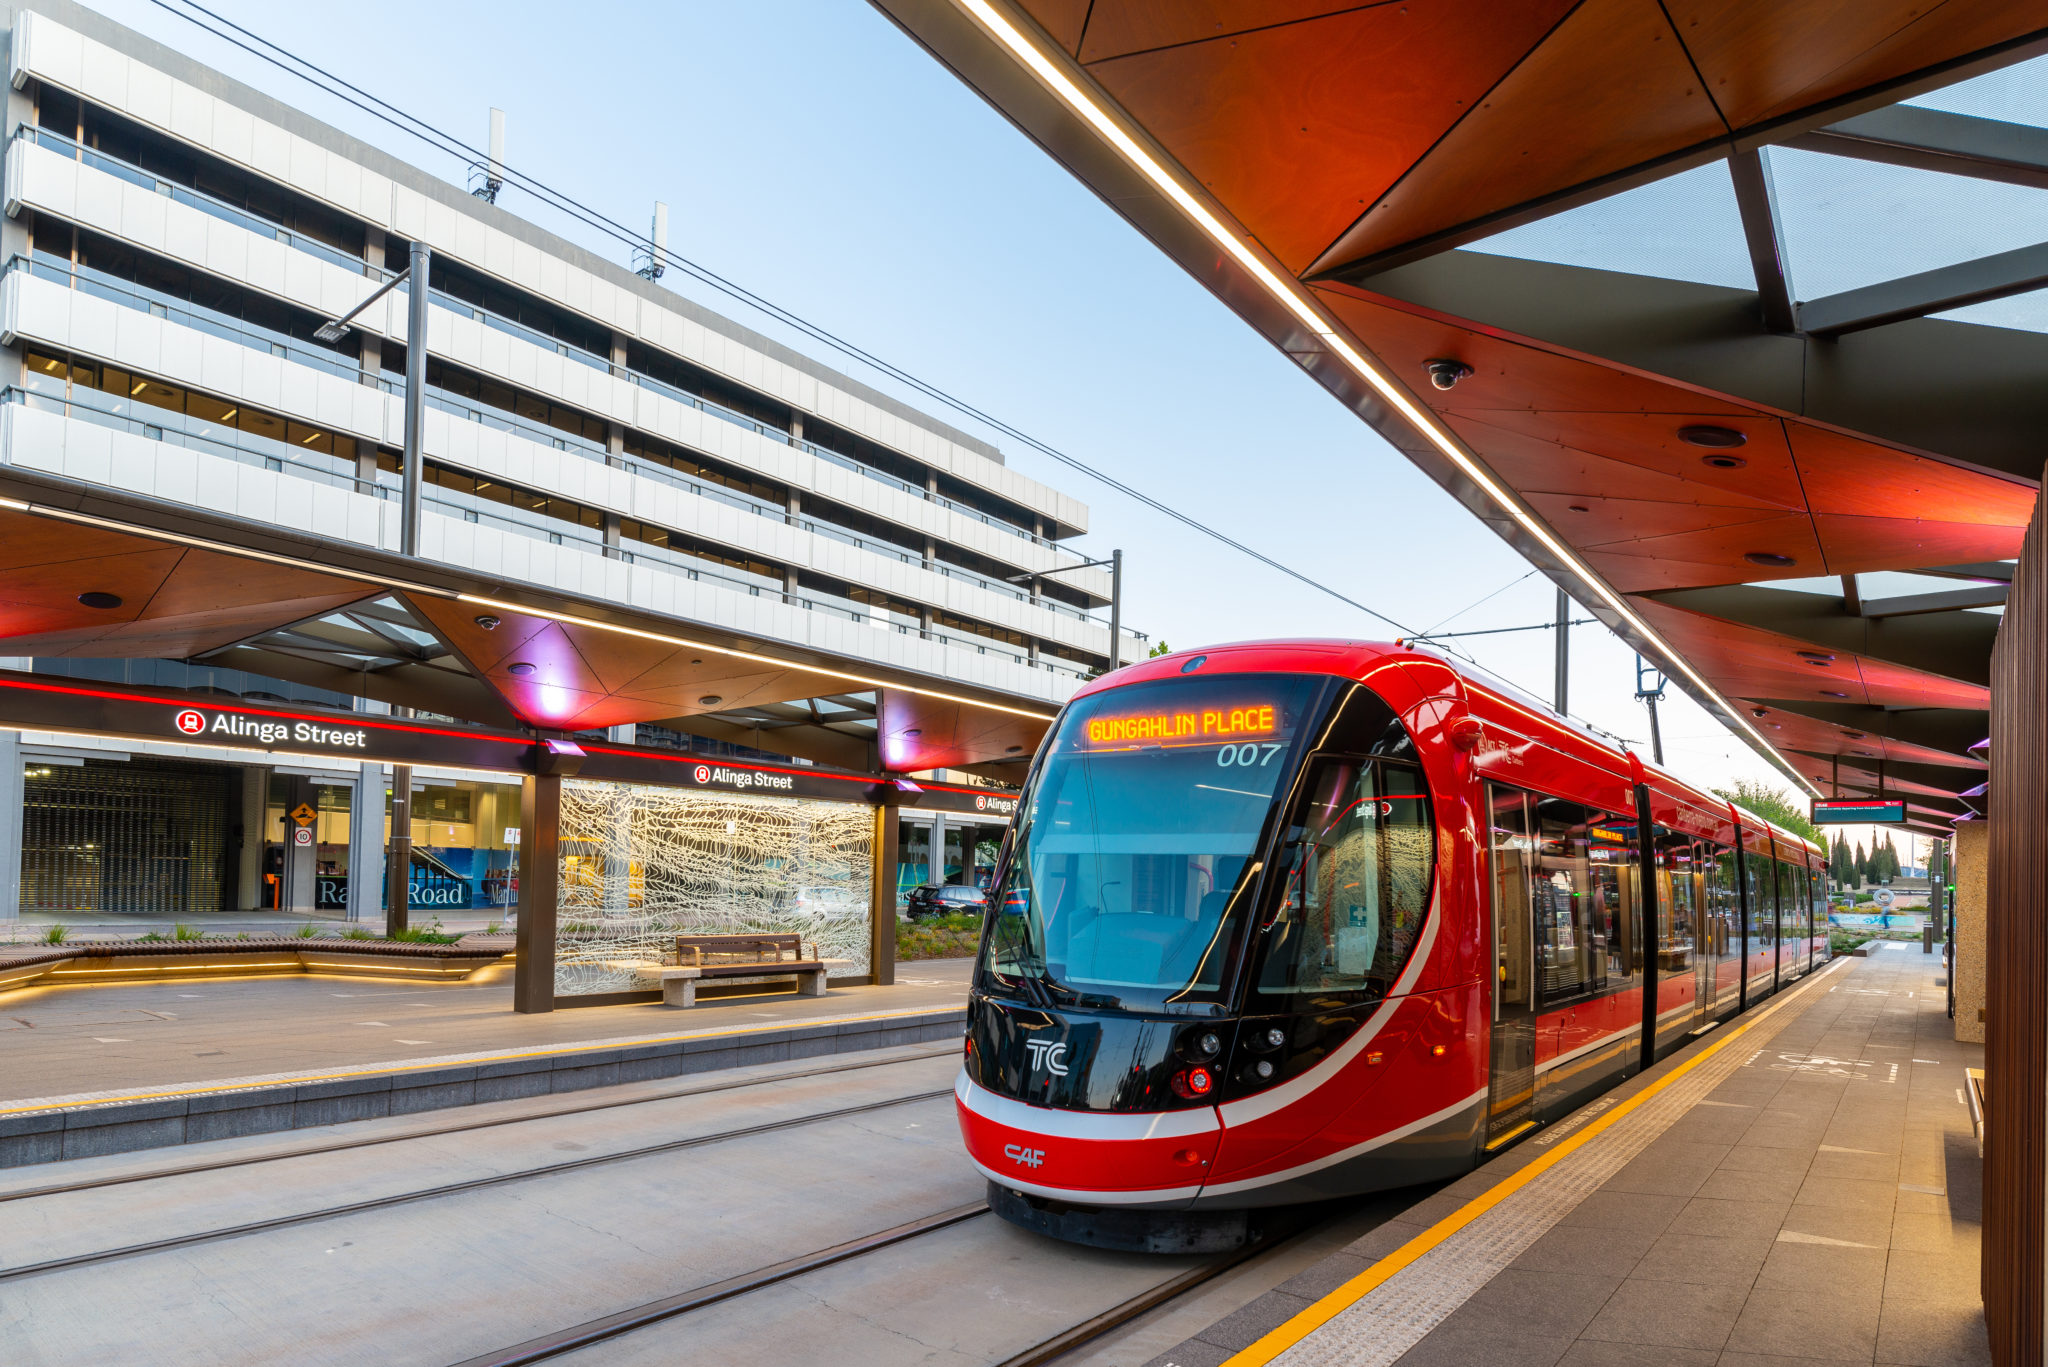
(398, 859)
(414, 277)
(1115, 561)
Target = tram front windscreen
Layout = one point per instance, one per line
(1145, 817)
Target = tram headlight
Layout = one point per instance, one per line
(1201, 1045)
(1272, 1037)
(1259, 1071)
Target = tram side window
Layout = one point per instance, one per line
(1678, 915)
(1761, 895)
(1817, 898)
(1355, 898)
(1509, 844)
(1792, 905)
(1572, 943)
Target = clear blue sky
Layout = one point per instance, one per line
(811, 152)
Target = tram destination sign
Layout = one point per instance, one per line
(1882, 811)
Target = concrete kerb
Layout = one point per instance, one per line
(95, 1128)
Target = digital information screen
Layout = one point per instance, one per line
(1858, 811)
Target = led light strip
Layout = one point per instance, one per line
(1290, 295)
(571, 619)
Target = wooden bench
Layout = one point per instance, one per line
(743, 958)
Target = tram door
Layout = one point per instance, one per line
(1710, 935)
(1511, 1100)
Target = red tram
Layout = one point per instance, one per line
(1283, 921)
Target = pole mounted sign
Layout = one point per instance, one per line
(1881, 811)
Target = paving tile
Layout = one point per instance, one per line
(1326, 1276)
(1704, 1259)
(1933, 1278)
(1192, 1353)
(1626, 1210)
(1836, 1165)
(1824, 1323)
(1451, 1345)
(1773, 1360)
(1524, 1300)
(1744, 1159)
(1383, 1239)
(1932, 1335)
(1249, 1323)
(1726, 1185)
(1844, 1224)
(1668, 1170)
(1933, 1232)
(1727, 1218)
(1574, 1248)
(1593, 1353)
(1668, 1314)
(1792, 1266)
(1847, 1192)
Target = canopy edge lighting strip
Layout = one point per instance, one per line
(1290, 296)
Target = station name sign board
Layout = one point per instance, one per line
(42, 703)
(1859, 811)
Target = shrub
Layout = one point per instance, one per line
(308, 931)
(942, 937)
(55, 934)
(425, 935)
(357, 933)
(491, 929)
(181, 931)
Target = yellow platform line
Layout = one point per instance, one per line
(467, 1061)
(1306, 1322)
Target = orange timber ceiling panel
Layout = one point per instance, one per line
(1298, 127)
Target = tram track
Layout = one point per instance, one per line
(494, 1122)
(184, 1241)
(1045, 1351)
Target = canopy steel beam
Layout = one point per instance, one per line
(1915, 296)
(1997, 571)
(1902, 778)
(1757, 200)
(1907, 605)
(1905, 384)
(1948, 645)
(1951, 730)
(1935, 140)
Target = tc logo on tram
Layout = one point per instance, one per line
(1018, 1154)
(1047, 1055)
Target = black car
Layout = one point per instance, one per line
(944, 899)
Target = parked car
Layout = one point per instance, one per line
(944, 899)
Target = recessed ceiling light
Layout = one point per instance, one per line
(1856, 735)
(522, 669)
(1724, 462)
(1770, 558)
(1830, 693)
(102, 601)
(1719, 438)
(1819, 657)
(710, 700)
(487, 622)
(1759, 711)
(914, 731)
(1013, 750)
(1580, 508)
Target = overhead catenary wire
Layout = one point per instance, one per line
(443, 141)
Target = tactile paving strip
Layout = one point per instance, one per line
(1395, 1316)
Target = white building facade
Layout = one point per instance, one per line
(173, 241)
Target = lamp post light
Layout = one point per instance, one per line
(1115, 561)
(398, 859)
(414, 277)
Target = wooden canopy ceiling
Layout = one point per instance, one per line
(1356, 147)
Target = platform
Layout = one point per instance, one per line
(1800, 1186)
(108, 1069)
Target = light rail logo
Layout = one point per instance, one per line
(1022, 1156)
(1047, 1055)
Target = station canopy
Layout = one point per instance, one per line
(108, 575)
(1729, 315)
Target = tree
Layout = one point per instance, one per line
(1840, 869)
(1862, 865)
(1772, 804)
(1159, 648)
